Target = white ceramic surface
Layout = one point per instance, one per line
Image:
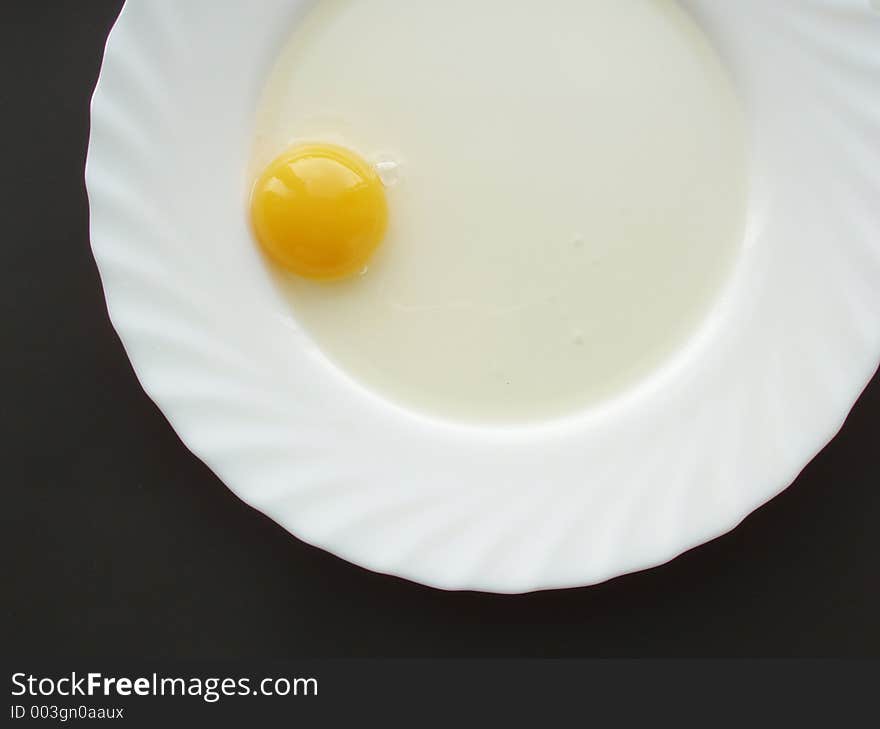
(679, 460)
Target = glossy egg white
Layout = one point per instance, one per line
(567, 192)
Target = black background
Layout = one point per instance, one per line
(120, 543)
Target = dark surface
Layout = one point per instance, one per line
(120, 543)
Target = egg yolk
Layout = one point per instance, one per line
(320, 211)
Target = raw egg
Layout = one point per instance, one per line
(319, 210)
(566, 187)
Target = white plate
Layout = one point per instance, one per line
(681, 459)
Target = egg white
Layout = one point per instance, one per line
(569, 194)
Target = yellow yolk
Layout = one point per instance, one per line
(320, 211)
